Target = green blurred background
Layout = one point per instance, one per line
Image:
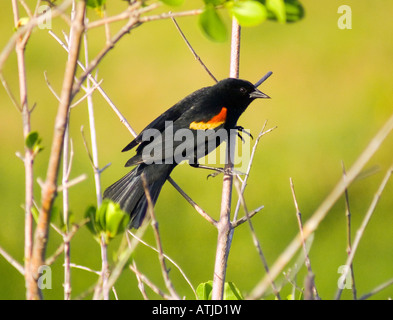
(331, 91)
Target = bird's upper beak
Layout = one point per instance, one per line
(258, 94)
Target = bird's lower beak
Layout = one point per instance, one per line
(258, 95)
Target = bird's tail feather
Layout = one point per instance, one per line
(129, 191)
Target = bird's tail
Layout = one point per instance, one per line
(129, 191)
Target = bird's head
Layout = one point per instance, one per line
(238, 94)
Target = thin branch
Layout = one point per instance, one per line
(141, 286)
(76, 266)
(12, 261)
(245, 218)
(67, 238)
(244, 183)
(198, 209)
(20, 47)
(72, 182)
(125, 256)
(9, 92)
(150, 284)
(362, 228)
(154, 223)
(254, 237)
(377, 289)
(307, 262)
(104, 269)
(192, 50)
(93, 135)
(167, 257)
(349, 235)
(168, 15)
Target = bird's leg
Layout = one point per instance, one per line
(241, 129)
(195, 164)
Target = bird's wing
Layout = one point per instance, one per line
(172, 114)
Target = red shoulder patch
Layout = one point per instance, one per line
(214, 122)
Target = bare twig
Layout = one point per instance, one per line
(76, 266)
(198, 209)
(244, 183)
(20, 47)
(141, 286)
(104, 268)
(10, 94)
(93, 136)
(307, 262)
(154, 223)
(192, 50)
(151, 285)
(12, 261)
(254, 237)
(67, 238)
(366, 219)
(66, 175)
(377, 289)
(349, 234)
(244, 219)
(169, 259)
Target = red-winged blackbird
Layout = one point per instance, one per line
(208, 110)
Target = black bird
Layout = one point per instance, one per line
(173, 137)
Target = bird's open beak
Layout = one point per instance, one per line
(258, 94)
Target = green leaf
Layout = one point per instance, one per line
(100, 218)
(215, 2)
(91, 225)
(116, 219)
(35, 213)
(95, 4)
(21, 22)
(277, 7)
(54, 214)
(212, 25)
(173, 2)
(204, 290)
(248, 13)
(32, 139)
(33, 142)
(294, 10)
(231, 292)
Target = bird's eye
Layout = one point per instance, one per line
(243, 90)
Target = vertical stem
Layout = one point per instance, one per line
(29, 157)
(93, 137)
(50, 186)
(67, 268)
(66, 169)
(104, 269)
(225, 230)
(97, 176)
